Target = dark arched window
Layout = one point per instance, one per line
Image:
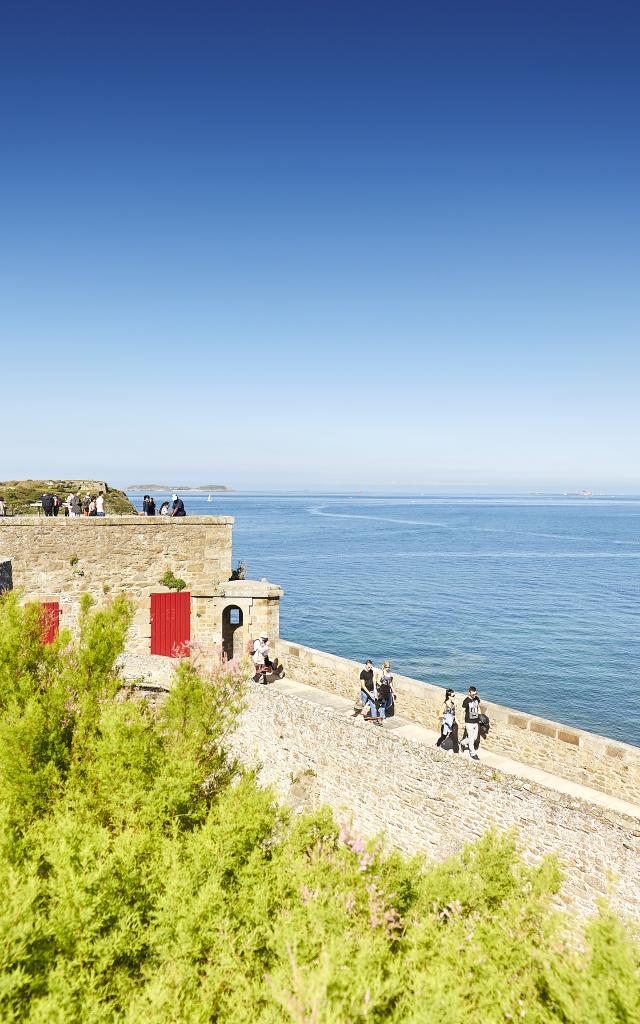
(231, 631)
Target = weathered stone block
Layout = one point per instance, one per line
(519, 721)
(568, 736)
(616, 752)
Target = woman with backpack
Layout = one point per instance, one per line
(448, 739)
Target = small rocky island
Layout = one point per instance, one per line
(169, 488)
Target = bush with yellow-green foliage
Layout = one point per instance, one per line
(145, 877)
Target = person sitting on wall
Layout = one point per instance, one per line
(261, 659)
(263, 663)
(164, 508)
(177, 509)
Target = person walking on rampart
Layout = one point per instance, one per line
(365, 701)
(448, 739)
(100, 506)
(386, 696)
(3, 507)
(177, 509)
(74, 505)
(471, 738)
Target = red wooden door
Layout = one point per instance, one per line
(50, 621)
(171, 624)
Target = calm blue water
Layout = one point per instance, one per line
(534, 601)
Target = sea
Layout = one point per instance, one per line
(533, 600)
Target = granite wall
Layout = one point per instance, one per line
(59, 558)
(426, 800)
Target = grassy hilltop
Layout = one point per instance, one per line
(19, 494)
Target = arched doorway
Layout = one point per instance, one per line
(231, 632)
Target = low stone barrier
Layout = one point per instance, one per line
(573, 754)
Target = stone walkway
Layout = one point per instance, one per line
(158, 670)
(399, 726)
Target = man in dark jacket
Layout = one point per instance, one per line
(47, 503)
(177, 509)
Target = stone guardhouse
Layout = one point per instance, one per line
(54, 561)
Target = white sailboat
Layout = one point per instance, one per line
(209, 498)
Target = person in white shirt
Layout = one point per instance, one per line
(261, 660)
(100, 506)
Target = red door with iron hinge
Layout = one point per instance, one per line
(50, 611)
(171, 624)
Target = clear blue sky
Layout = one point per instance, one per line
(321, 244)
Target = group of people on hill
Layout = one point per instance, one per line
(74, 505)
(176, 509)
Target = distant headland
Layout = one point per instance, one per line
(177, 487)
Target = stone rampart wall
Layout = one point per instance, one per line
(60, 558)
(130, 553)
(426, 800)
(574, 754)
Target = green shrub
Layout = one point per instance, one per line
(172, 582)
(146, 877)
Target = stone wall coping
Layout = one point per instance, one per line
(89, 522)
(248, 588)
(600, 745)
(239, 589)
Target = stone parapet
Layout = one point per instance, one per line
(59, 559)
(68, 556)
(574, 754)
